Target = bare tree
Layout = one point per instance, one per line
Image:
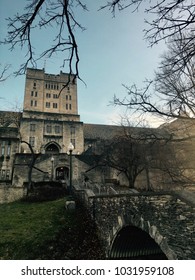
(167, 161)
(126, 156)
(3, 72)
(168, 18)
(138, 151)
(41, 14)
(10, 119)
(172, 92)
(30, 165)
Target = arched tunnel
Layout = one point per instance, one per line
(132, 243)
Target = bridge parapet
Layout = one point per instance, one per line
(165, 217)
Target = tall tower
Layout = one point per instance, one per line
(47, 93)
(50, 114)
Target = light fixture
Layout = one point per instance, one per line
(70, 147)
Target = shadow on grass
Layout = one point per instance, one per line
(45, 230)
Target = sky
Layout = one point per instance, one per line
(112, 52)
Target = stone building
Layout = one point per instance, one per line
(50, 119)
(48, 124)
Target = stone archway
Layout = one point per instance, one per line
(139, 227)
(134, 243)
(52, 148)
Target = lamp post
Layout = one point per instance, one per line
(52, 167)
(70, 149)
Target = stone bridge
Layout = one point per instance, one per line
(143, 225)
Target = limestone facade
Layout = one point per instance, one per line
(49, 123)
(9, 144)
(50, 118)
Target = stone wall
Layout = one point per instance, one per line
(167, 219)
(10, 194)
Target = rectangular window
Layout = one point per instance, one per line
(32, 141)
(55, 96)
(66, 97)
(57, 129)
(36, 93)
(3, 174)
(7, 174)
(47, 105)
(2, 150)
(48, 128)
(48, 95)
(32, 127)
(32, 93)
(70, 107)
(70, 97)
(55, 105)
(72, 130)
(34, 84)
(31, 103)
(35, 104)
(8, 150)
(66, 106)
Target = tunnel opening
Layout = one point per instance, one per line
(132, 243)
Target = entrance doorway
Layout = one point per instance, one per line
(62, 173)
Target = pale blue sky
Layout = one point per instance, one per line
(112, 52)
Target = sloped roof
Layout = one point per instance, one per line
(181, 127)
(99, 131)
(10, 119)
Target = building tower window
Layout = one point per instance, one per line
(57, 129)
(32, 127)
(48, 128)
(32, 141)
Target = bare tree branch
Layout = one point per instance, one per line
(168, 19)
(165, 19)
(41, 14)
(3, 75)
(172, 92)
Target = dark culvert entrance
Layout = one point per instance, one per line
(132, 243)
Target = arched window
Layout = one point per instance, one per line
(52, 149)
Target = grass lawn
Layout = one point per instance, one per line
(46, 230)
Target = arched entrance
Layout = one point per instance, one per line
(62, 173)
(132, 243)
(52, 148)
